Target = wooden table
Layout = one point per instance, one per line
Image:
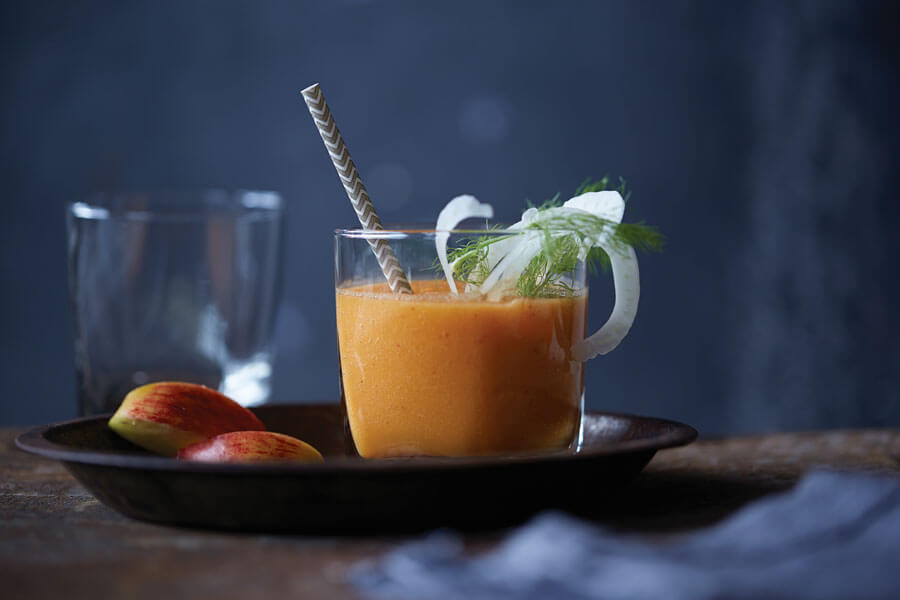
(57, 541)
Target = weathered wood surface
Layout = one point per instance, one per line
(57, 541)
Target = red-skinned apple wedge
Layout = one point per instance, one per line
(251, 446)
(165, 417)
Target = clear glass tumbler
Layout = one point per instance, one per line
(440, 374)
(174, 286)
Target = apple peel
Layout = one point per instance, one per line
(251, 446)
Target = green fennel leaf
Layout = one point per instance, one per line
(565, 239)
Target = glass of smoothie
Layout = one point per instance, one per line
(478, 347)
(435, 373)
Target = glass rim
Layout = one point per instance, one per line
(177, 205)
(403, 232)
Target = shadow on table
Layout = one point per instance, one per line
(670, 502)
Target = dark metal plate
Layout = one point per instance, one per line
(348, 494)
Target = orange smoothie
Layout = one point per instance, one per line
(435, 374)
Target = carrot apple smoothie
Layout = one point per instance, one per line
(472, 342)
(440, 374)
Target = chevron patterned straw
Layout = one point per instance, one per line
(354, 187)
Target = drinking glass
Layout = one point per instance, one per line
(174, 286)
(437, 374)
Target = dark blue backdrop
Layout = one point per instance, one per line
(761, 138)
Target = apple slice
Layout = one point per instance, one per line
(251, 446)
(165, 417)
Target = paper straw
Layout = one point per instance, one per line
(354, 187)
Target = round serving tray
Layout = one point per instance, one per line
(347, 494)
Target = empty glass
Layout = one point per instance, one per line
(174, 286)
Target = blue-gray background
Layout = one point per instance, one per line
(762, 138)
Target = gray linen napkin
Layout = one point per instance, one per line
(835, 535)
